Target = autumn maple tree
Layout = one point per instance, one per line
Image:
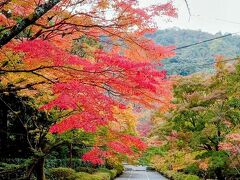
(40, 55)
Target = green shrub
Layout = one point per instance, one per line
(192, 169)
(103, 175)
(61, 173)
(86, 169)
(6, 166)
(80, 176)
(70, 174)
(180, 176)
(112, 172)
(87, 176)
(117, 166)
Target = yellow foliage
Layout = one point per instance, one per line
(126, 120)
(204, 164)
(174, 160)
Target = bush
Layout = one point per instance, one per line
(180, 176)
(87, 176)
(86, 169)
(61, 173)
(6, 166)
(80, 176)
(103, 175)
(112, 172)
(192, 169)
(115, 165)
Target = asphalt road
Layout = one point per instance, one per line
(139, 173)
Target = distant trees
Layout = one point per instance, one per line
(191, 60)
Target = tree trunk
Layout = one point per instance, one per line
(20, 26)
(219, 174)
(39, 169)
(70, 155)
(3, 132)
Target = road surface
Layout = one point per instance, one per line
(139, 173)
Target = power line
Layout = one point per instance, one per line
(216, 19)
(204, 41)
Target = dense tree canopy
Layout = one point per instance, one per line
(82, 62)
(201, 134)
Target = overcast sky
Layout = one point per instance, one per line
(207, 15)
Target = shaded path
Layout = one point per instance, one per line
(139, 173)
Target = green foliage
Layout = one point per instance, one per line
(6, 166)
(89, 170)
(86, 176)
(206, 113)
(76, 162)
(61, 173)
(84, 46)
(192, 169)
(191, 59)
(218, 159)
(180, 176)
(116, 166)
(145, 159)
(103, 175)
(81, 174)
(112, 172)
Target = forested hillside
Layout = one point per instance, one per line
(195, 58)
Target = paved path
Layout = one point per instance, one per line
(139, 173)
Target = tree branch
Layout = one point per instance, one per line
(4, 3)
(32, 18)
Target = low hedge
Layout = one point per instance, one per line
(83, 176)
(62, 173)
(87, 176)
(115, 165)
(112, 172)
(89, 170)
(174, 175)
(179, 176)
(103, 175)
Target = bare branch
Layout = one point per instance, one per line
(189, 12)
